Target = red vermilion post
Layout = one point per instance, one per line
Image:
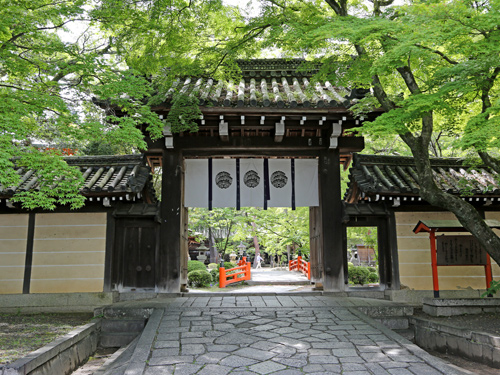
(435, 280)
(487, 271)
(309, 270)
(247, 273)
(222, 277)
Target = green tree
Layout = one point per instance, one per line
(218, 226)
(432, 66)
(46, 88)
(277, 228)
(274, 229)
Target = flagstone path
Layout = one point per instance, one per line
(281, 335)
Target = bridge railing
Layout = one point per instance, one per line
(301, 265)
(234, 275)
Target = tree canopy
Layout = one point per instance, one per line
(433, 67)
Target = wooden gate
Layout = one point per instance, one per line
(135, 253)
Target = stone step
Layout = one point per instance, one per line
(262, 294)
(385, 311)
(393, 322)
(376, 294)
(134, 296)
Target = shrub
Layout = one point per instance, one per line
(199, 278)
(215, 275)
(228, 265)
(358, 275)
(493, 289)
(196, 265)
(371, 269)
(372, 277)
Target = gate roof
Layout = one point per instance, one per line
(275, 83)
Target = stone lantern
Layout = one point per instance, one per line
(201, 252)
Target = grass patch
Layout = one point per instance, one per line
(21, 334)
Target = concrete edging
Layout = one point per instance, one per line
(61, 356)
(477, 346)
(460, 306)
(417, 296)
(411, 347)
(137, 364)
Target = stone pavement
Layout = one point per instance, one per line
(279, 335)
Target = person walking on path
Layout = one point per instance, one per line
(259, 260)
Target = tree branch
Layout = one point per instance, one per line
(339, 7)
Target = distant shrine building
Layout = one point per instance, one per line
(275, 139)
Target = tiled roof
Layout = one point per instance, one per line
(267, 83)
(103, 175)
(374, 177)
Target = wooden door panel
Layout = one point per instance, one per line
(135, 253)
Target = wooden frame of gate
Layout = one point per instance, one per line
(328, 246)
(278, 129)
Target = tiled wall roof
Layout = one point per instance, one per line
(104, 175)
(373, 175)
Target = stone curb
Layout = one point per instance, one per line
(138, 362)
(451, 330)
(417, 351)
(250, 294)
(42, 357)
(460, 306)
(477, 346)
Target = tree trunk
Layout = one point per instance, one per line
(466, 214)
(213, 250)
(256, 245)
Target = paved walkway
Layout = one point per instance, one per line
(279, 335)
(267, 275)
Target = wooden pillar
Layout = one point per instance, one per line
(171, 212)
(184, 249)
(315, 246)
(330, 204)
(393, 281)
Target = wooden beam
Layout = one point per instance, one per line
(336, 132)
(246, 144)
(223, 129)
(279, 132)
(270, 110)
(256, 146)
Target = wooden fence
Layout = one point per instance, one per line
(232, 275)
(300, 265)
